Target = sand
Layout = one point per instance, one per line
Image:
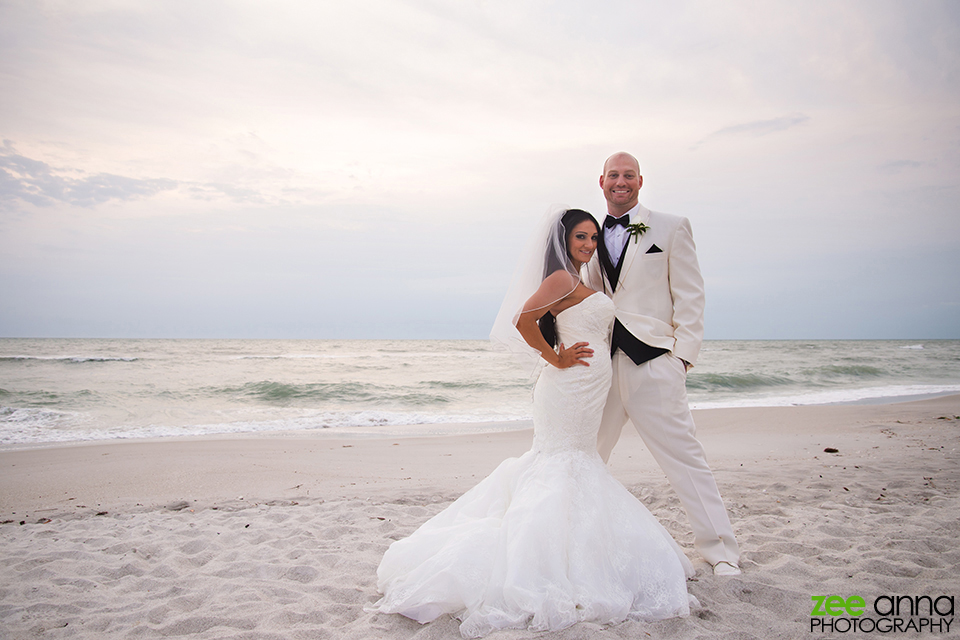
(279, 536)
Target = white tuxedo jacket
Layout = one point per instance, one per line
(659, 296)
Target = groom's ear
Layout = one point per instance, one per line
(640, 186)
(601, 181)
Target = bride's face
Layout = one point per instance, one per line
(582, 241)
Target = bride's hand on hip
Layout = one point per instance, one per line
(573, 355)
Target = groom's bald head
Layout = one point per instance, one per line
(622, 157)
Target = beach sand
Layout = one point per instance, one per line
(279, 536)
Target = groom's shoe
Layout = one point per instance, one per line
(724, 568)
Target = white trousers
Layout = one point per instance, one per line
(654, 397)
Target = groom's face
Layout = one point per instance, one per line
(621, 182)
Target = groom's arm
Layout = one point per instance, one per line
(686, 287)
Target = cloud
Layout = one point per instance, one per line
(758, 128)
(36, 182)
(212, 190)
(897, 166)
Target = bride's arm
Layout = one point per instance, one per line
(551, 293)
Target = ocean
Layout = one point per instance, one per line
(63, 390)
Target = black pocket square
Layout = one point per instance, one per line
(654, 249)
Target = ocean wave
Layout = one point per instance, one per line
(855, 370)
(32, 398)
(454, 385)
(462, 353)
(71, 359)
(44, 398)
(25, 427)
(833, 396)
(739, 381)
(298, 356)
(282, 393)
(32, 414)
(823, 376)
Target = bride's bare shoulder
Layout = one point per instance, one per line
(554, 288)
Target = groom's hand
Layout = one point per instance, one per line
(574, 355)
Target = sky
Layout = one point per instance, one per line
(320, 169)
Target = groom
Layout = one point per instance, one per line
(647, 262)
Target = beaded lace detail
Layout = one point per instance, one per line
(568, 403)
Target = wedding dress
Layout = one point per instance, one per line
(548, 539)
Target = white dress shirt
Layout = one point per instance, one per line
(615, 237)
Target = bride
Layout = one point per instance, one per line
(548, 539)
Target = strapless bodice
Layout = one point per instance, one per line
(590, 321)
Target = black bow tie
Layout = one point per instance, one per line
(623, 221)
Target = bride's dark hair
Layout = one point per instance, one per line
(570, 219)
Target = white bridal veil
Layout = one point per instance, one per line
(544, 255)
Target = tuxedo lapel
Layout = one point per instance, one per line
(626, 260)
(630, 250)
(616, 271)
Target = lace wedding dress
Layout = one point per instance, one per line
(548, 539)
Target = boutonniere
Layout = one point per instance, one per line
(636, 230)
